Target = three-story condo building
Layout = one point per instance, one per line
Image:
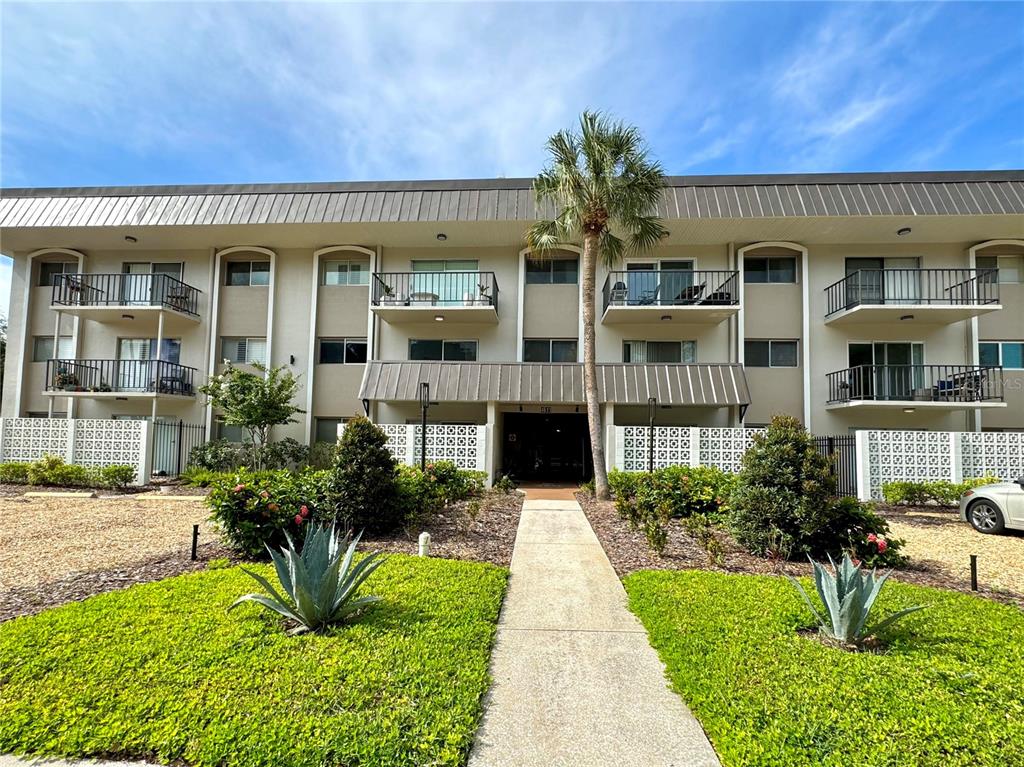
(849, 300)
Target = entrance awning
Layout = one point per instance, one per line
(701, 385)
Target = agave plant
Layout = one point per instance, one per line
(848, 597)
(321, 583)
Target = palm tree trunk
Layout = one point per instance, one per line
(590, 247)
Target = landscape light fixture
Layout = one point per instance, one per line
(424, 407)
(903, 232)
(908, 410)
(130, 238)
(441, 236)
(438, 318)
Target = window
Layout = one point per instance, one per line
(549, 350)
(448, 351)
(42, 348)
(669, 352)
(342, 351)
(39, 414)
(245, 350)
(552, 271)
(231, 433)
(240, 273)
(770, 354)
(145, 349)
(350, 272)
(775, 270)
(48, 270)
(1011, 268)
(327, 429)
(1009, 354)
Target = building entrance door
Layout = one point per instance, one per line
(546, 447)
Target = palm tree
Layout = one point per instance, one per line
(605, 190)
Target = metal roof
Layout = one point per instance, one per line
(685, 197)
(709, 385)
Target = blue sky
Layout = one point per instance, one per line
(233, 92)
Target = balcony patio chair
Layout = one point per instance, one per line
(690, 294)
(650, 297)
(619, 294)
(961, 387)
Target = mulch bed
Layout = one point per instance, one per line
(77, 586)
(478, 530)
(12, 491)
(628, 551)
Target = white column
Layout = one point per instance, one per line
(411, 445)
(805, 333)
(56, 355)
(491, 463)
(69, 450)
(521, 303)
(611, 442)
(861, 461)
(311, 360)
(620, 446)
(695, 456)
(956, 462)
(145, 464)
(2, 434)
(214, 323)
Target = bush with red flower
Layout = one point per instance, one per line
(256, 509)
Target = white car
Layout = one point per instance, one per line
(993, 508)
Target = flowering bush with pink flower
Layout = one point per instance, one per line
(256, 509)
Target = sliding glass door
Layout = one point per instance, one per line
(886, 371)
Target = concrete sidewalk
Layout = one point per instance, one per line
(575, 681)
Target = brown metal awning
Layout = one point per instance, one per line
(702, 385)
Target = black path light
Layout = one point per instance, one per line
(424, 406)
(652, 407)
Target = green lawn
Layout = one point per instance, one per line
(161, 670)
(949, 691)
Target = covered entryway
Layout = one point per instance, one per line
(546, 447)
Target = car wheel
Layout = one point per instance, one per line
(985, 517)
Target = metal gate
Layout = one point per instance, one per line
(172, 443)
(841, 450)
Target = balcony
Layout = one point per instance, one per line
(470, 297)
(680, 296)
(949, 387)
(939, 296)
(144, 379)
(116, 297)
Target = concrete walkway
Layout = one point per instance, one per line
(575, 681)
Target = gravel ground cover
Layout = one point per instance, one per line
(939, 552)
(47, 539)
(944, 544)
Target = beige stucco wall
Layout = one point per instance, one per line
(551, 311)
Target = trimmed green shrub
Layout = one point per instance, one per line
(255, 510)
(363, 489)
(194, 476)
(51, 470)
(785, 503)
(422, 493)
(768, 697)
(117, 476)
(507, 484)
(14, 473)
(162, 672)
(941, 492)
(221, 455)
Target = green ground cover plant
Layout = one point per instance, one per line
(162, 670)
(53, 471)
(944, 692)
(941, 492)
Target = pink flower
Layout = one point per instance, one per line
(872, 537)
(298, 519)
(856, 562)
(304, 511)
(882, 545)
(239, 488)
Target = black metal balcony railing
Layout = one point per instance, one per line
(933, 287)
(125, 290)
(916, 383)
(421, 289)
(121, 376)
(672, 287)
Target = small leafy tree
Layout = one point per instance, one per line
(254, 402)
(363, 485)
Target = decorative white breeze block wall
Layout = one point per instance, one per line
(83, 441)
(917, 456)
(681, 446)
(465, 446)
